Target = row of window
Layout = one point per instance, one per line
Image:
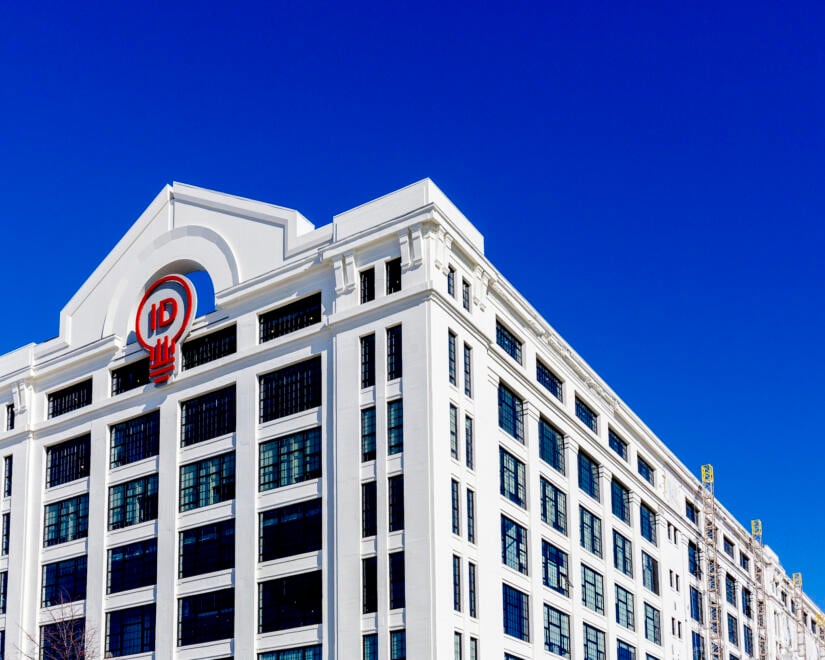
(369, 582)
(395, 363)
(452, 363)
(465, 288)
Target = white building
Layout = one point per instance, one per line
(372, 447)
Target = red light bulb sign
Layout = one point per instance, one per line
(163, 319)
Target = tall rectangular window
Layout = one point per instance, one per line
(696, 606)
(472, 590)
(369, 512)
(622, 554)
(653, 624)
(9, 416)
(691, 513)
(369, 585)
(694, 565)
(8, 464)
(647, 522)
(513, 485)
(207, 549)
(370, 647)
(208, 416)
(4, 592)
(471, 516)
(650, 573)
(591, 531)
(452, 369)
(592, 589)
(625, 615)
(207, 482)
(451, 281)
(291, 389)
(508, 341)
(453, 431)
(133, 502)
(68, 461)
(556, 632)
(395, 362)
(513, 545)
(130, 376)
(368, 434)
(646, 470)
(395, 426)
(555, 573)
(6, 533)
(620, 501)
(625, 651)
(458, 646)
(587, 415)
(553, 506)
(296, 315)
(290, 602)
(456, 583)
(465, 294)
(290, 459)
(617, 444)
(516, 610)
(456, 509)
(130, 631)
(747, 600)
(398, 645)
(510, 413)
(65, 521)
(747, 640)
(206, 617)
(589, 476)
(733, 630)
(594, 643)
(367, 361)
(393, 275)
(469, 446)
(132, 566)
(730, 589)
(551, 445)
(395, 490)
(135, 439)
(209, 348)
(64, 582)
(367, 288)
(290, 530)
(397, 580)
(70, 398)
(549, 380)
(474, 648)
(468, 370)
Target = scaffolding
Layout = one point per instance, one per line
(801, 646)
(712, 573)
(757, 551)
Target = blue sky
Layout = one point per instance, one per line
(650, 177)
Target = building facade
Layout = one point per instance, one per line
(370, 446)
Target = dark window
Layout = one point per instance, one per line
(367, 285)
(206, 617)
(135, 439)
(510, 408)
(130, 631)
(696, 606)
(591, 531)
(513, 485)
(64, 640)
(291, 390)
(549, 380)
(647, 522)
(468, 370)
(368, 434)
(456, 583)
(394, 275)
(70, 398)
(646, 470)
(471, 516)
(207, 549)
(555, 573)
(207, 416)
(620, 501)
(394, 353)
(551, 445)
(395, 426)
(653, 624)
(297, 653)
(207, 482)
(130, 376)
(64, 582)
(398, 645)
(453, 431)
(465, 294)
(451, 358)
(369, 584)
(132, 566)
(4, 587)
(617, 444)
(451, 281)
(396, 502)
(67, 461)
(508, 341)
(290, 459)
(291, 530)
(622, 554)
(210, 347)
(369, 512)
(553, 506)
(650, 573)
(397, 581)
(367, 361)
(556, 632)
(513, 545)
(66, 520)
(456, 509)
(4, 541)
(472, 589)
(694, 565)
(289, 318)
(592, 589)
(469, 447)
(8, 464)
(516, 612)
(133, 502)
(691, 513)
(589, 476)
(10, 417)
(587, 415)
(290, 602)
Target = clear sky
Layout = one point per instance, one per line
(650, 177)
